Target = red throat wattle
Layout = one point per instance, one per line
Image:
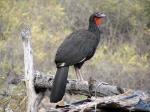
(98, 21)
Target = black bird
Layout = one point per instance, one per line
(77, 48)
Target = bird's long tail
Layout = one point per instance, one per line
(59, 84)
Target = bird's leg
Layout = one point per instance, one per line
(78, 74)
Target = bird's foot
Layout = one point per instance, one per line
(83, 82)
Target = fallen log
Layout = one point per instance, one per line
(106, 97)
(89, 88)
(129, 101)
(125, 102)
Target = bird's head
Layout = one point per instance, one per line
(98, 19)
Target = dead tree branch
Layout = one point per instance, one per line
(33, 98)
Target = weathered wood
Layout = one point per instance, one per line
(107, 96)
(91, 88)
(33, 98)
(126, 102)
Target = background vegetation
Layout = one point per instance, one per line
(122, 58)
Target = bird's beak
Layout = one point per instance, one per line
(101, 15)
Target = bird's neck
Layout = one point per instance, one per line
(94, 29)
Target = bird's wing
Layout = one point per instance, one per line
(76, 47)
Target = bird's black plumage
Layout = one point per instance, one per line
(78, 46)
(75, 50)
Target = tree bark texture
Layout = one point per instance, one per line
(33, 98)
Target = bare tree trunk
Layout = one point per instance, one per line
(33, 98)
